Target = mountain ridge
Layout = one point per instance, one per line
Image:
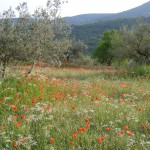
(85, 17)
(139, 11)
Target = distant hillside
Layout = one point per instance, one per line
(85, 18)
(91, 33)
(140, 11)
(143, 10)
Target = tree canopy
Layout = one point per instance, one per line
(127, 43)
(133, 43)
(42, 35)
(103, 51)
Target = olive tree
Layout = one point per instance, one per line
(133, 43)
(77, 48)
(7, 39)
(42, 35)
(46, 36)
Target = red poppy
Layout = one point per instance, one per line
(121, 100)
(75, 134)
(97, 98)
(23, 117)
(88, 126)
(72, 143)
(15, 143)
(126, 127)
(140, 109)
(51, 140)
(82, 129)
(123, 95)
(107, 129)
(129, 133)
(121, 132)
(18, 123)
(57, 95)
(73, 107)
(14, 108)
(101, 139)
(33, 103)
(41, 98)
(92, 99)
(86, 120)
(48, 107)
(144, 127)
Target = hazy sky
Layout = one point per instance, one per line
(75, 7)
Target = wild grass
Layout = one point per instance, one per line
(75, 109)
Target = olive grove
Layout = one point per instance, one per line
(41, 36)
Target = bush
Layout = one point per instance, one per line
(83, 61)
(139, 71)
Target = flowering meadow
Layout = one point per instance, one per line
(74, 109)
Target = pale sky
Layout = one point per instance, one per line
(76, 7)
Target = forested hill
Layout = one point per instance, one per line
(140, 11)
(91, 33)
(85, 18)
(143, 10)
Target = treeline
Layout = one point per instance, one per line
(129, 43)
(91, 33)
(44, 36)
(41, 36)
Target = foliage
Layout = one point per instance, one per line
(83, 60)
(127, 44)
(42, 35)
(76, 50)
(136, 71)
(103, 51)
(7, 39)
(133, 43)
(47, 34)
(91, 33)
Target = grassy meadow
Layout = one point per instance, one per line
(102, 108)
